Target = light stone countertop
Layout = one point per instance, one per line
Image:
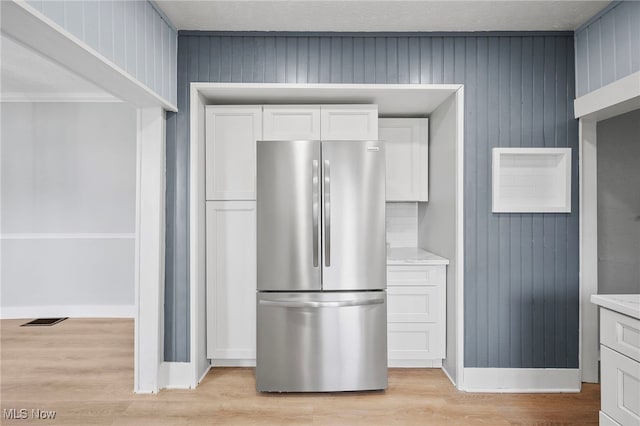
(627, 304)
(413, 256)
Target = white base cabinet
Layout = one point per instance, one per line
(416, 317)
(231, 282)
(619, 368)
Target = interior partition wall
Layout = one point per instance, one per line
(521, 270)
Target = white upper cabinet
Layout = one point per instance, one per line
(291, 122)
(349, 122)
(231, 135)
(407, 157)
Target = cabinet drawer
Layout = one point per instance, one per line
(414, 303)
(620, 387)
(620, 333)
(414, 341)
(416, 275)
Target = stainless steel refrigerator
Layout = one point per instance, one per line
(321, 305)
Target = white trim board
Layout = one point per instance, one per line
(588, 342)
(71, 311)
(32, 28)
(616, 98)
(233, 363)
(57, 98)
(459, 379)
(521, 380)
(149, 249)
(175, 375)
(415, 363)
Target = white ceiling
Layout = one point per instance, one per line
(379, 15)
(27, 75)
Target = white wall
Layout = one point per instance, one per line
(437, 218)
(68, 209)
(618, 158)
(402, 224)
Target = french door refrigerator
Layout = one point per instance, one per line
(321, 305)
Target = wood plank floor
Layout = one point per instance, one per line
(83, 369)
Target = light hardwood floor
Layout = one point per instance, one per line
(83, 369)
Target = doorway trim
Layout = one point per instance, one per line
(28, 26)
(614, 99)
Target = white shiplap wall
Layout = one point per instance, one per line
(131, 34)
(608, 48)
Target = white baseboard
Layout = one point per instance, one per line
(414, 363)
(176, 375)
(446, 373)
(521, 380)
(233, 363)
(606, 420)
(71, 311)
(204, 374)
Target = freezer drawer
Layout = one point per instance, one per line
(321, 342)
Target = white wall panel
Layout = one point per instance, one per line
(68, 176)
(132, 34)
(64, 272)
(619, 204)
(402, 224)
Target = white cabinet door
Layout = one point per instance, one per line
(231, 282)
(406, 142)
(291, 122)
(231, 135)
(620, 387)
(349, 122)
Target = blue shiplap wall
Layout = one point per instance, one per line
(521, 270)
(131, 34)
(608, 48)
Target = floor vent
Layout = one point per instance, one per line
(43, 322)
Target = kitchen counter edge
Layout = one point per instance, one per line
(413, 256)
(626, 304)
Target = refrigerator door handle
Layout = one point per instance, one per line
(327, 213)
(315, 182)
(328, 304)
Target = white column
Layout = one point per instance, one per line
(589, 348)
(150, 228)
